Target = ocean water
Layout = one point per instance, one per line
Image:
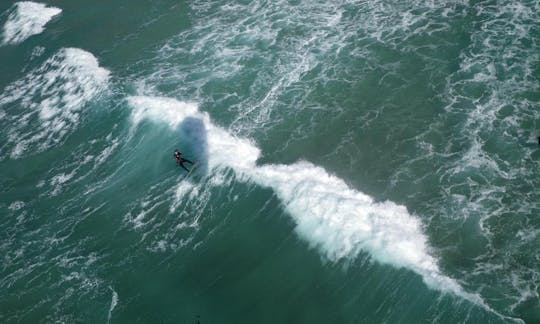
(360, 161)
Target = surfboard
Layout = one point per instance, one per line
(192, 168)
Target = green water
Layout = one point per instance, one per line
(360, 162)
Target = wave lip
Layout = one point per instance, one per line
(46, 104)
(26, 19)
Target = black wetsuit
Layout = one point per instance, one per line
(180, 160)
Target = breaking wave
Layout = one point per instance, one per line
(333, 217)
(41, 109)
(26, 19)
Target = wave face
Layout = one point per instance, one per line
(330, 215)
(27, 19)
(42, 108)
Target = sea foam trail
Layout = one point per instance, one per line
(330, 215)
(46, 104)
(114, 302)
(26, 19)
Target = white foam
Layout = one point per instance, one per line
(226, 38)
(37, 52)
(54, 94)
(104, 155)
(161, 109)
(221, 145)
(16, 205)
(26, 19)
(58, 180)
(338, 220)
(114, 302)
(488, 92)
(182, 189)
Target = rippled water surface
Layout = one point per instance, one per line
(358, 161)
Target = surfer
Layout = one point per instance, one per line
(180, 160)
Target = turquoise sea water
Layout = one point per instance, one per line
(360, 161)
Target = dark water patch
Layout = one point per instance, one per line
(194, 142)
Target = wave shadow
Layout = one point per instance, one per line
(194, 141)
